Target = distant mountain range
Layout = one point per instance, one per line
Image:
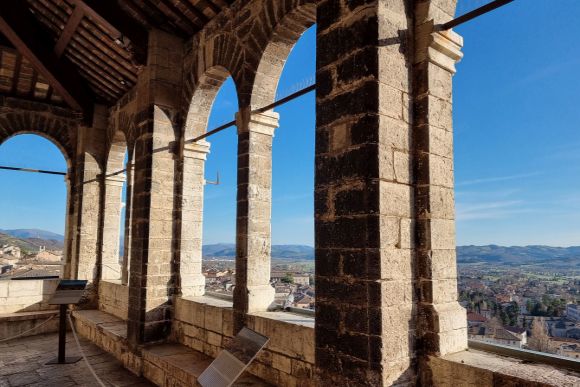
(503, 255)
(518, 255)
(228, 250)
(28, 233)
(31, 239)
(29, 245)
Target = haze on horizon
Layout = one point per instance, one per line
(517, 143)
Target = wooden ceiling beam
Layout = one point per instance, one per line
(108, 14)
(196, 12)
(69, 29)
(17, 66)
(216, 9)
(32, 40)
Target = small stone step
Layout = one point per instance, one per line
(177, 365)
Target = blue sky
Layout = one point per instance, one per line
(517, 140)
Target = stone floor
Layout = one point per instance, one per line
(22, 363)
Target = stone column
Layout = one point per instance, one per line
(110, 253)
(69, 226)
(86, 198)
(89, 192)
(364, 209)
(192, 281)
(128, 212)
(442, 324)
(155, 200)
(253, 291)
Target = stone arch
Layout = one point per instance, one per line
(282, 34)
(116, 153)
(191, 280)
(202, 100)
(65, 270)
(60, 131)
(220, 57)
(52, 140)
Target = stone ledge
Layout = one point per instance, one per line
(287, 317)
(211, 301)
(476, 368)
(13, 324)
(20, 316)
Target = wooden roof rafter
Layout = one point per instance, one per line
(31, 39)
(120, 25)
(107, 67)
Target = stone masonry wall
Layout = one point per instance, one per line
(205, 324)
(26, 295)
(114, 298)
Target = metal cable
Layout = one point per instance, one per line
(83, 353)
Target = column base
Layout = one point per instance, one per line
(446, 328)
(111, 271)
(193, 287)
(260, 297)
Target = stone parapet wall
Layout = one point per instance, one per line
(26, 295)
(475, 369)
(205, 324)
(17, 324)
(114, 298)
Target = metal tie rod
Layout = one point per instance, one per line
(282, 101)
(33, 170)
(473, 14)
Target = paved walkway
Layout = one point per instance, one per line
(22, 363)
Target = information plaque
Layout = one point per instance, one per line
(233, 360)
(67, 292)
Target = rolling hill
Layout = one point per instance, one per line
(518, 255)
(34, 233)
(228, 250)
(31, 240)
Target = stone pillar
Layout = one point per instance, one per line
(364, 210)
(88, 212)
(69, 226)
(442, 324)
(110, 253)
(253, 291)
(155, 200)
(86, 200)
(128, 213)
(192, 281)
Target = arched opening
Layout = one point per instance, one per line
(288, 65)
(516, 175)
(114, 187)
(33, 223)
(293, 181)
(126, 215)
(209, 205)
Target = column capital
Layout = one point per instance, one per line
(263, 123)
(196, 150)
(442, 48)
